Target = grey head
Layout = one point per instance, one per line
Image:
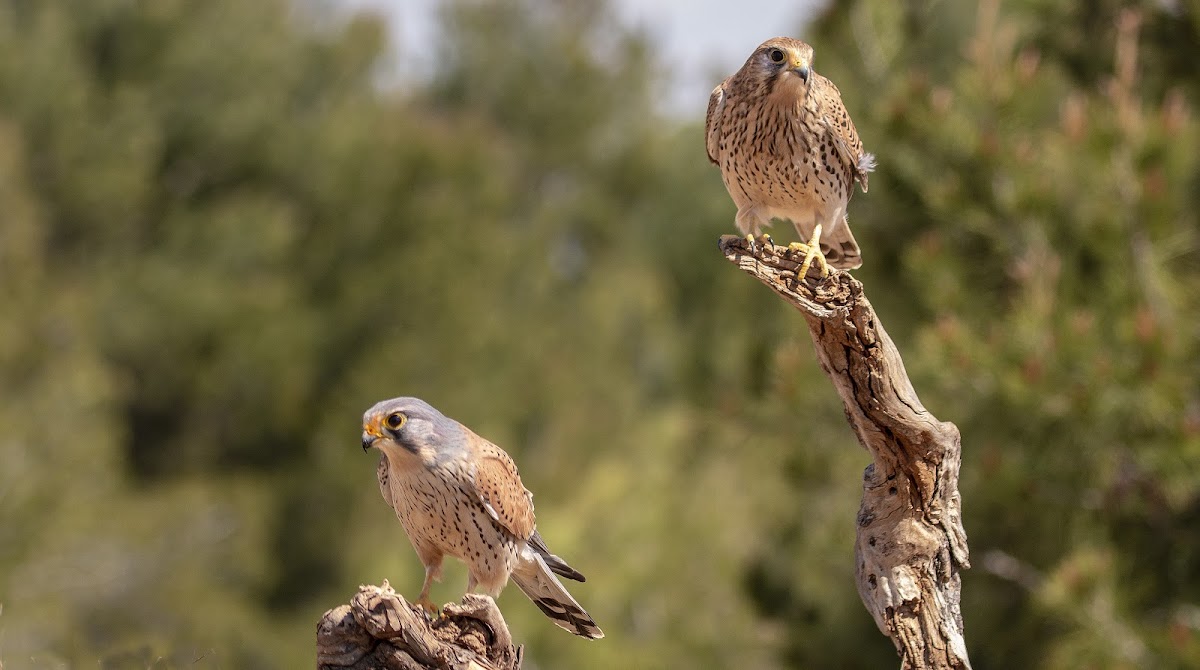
(414, 426)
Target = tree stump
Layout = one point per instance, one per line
(910, 544)
(380, 630)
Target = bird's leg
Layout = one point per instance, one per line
(812, 251)
(748, 220)
(431, 572)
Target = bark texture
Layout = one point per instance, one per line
(911, 544)
(380, 630)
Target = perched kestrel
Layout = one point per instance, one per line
(456, 494)
(787, 149)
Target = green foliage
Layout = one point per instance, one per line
(220, 241)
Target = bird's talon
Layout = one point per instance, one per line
(812, 253)
(428, 607)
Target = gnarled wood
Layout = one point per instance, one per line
(380, 630)
(911, 544)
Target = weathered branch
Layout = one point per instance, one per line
(911, 543)
(380, 630)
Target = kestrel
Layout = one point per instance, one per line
(787, 149)
(456, 494)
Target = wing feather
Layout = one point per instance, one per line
(712, 121)
(841, 131)
(501, 491)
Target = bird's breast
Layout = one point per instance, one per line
(774, 155)
(438, 508)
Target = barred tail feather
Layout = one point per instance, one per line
(840, 248)
(557, 565)
(535, 579)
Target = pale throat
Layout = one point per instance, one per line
(790, 92)
(403, 460)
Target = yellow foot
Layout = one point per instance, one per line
(763, 240)
(813, 252)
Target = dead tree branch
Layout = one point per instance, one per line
(380, 630)
(911, 544)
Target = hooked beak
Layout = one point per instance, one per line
(800, 67)
(369, 435)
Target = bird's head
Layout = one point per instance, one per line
(403, 427)
(782, 59)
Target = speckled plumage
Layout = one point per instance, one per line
(787, 148)
(457, 494)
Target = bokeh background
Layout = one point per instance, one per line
(227, 228)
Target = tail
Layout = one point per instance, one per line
(535, 579)
(557, 565)
(840, 249)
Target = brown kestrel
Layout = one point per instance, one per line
(787, 149)
(456, 494)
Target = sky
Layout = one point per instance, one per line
(721, 32)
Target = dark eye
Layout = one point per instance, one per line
(776, 55)
(395, 420)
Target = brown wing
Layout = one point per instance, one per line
(841, 129)
(500, 488)
(712, 121)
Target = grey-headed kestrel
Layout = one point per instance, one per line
(456, 494)
(787, 149)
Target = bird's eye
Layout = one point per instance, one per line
(395, 420)
(776, 55)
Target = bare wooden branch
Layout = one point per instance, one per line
(911, 544)
(380, 630)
